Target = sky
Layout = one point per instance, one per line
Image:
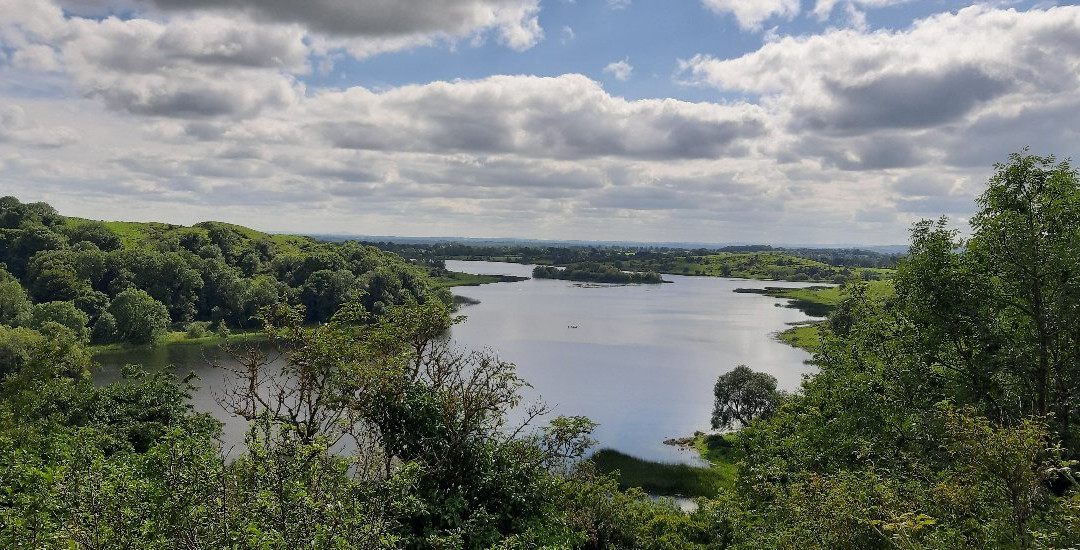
(716, 121)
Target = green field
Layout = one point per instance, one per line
(453, 278)
(134, 234)
(807, 337)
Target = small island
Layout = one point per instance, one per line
(593, 272)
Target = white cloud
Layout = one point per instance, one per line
(201, 66)
(823, 9)
(23, 22)
(856, 17)
(847, 81)
(375, 26)
(564, 117)
(36, 57)
(225, 69)
(567, 34)
(750, 14)
(16, 128)
(946, 97)
(621, 70)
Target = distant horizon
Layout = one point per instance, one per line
(573, 242)
(513, 239)
(539, 240)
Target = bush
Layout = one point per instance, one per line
(197, 329)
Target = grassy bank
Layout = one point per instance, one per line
(828, 296)
(181, 337)
(807, 337)
(675, 479)
(817, 301)
(452, 278)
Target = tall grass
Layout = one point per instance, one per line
(675, 479)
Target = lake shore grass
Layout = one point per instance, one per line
(804, 336)
(454, 278)
(816, 300)
(819, 301)
(829, 296)
(668, 479)
(180, 337)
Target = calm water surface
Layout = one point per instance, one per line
(641, 362)
(643, 358)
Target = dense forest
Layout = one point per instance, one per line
(130, 282)
(943, 415)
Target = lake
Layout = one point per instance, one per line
(641, 361)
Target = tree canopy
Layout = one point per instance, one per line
(212, 272)
(742, 396)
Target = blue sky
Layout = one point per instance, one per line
(651, 35)
(777, 121)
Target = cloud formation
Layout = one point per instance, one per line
(621, 70)
(823, 9)
(565, 117)
(751, 14)
(17, 129)
(832, 89)
(189, 111)
(379, 25)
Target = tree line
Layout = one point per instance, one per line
(434, 253)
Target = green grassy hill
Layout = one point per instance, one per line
(136, 234)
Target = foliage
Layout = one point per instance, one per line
(743, 396)
(63, 313)
(14, 302)
(926, 424)
(392, 389)
(140, 319)
(105, 330)
(212, 272)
